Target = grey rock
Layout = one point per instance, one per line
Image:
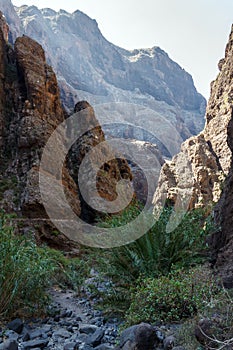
(36, 334)
(71, 346)
(12, 335)
(26, 336)
(62, 333)
(85, 347)
(103, 347)
(142, 336)
(16, 325)
(88, 329)
(95, 338)
(9, 345)
(169, 342)
(57, 318)
(36, 343)
(179, 347)
(82, 337)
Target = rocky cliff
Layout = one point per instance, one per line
(222, 241)
(90, 68)
(195, 177)
(207, 155)
(30, 111)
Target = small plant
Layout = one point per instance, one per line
(177, 296)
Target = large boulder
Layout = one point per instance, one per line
(139, 337)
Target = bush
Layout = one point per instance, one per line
(153, 255)
(179, 295)
(159, 251)
(27, 271)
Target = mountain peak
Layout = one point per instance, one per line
(91, 68)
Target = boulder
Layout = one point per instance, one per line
(139, 337)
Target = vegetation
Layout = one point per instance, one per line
(220, 314)
(156, 254)
(162, 277)
(158, 251)
(27, 271)
(172, 298)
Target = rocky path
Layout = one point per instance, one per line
(74, 325)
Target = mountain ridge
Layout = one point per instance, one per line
(91, 68)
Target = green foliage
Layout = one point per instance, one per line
(27, 271)
(220, 313)
(179, 295)
(70, 272)
(8, 184)
(158, 251)
(126, 216)
(155, 254)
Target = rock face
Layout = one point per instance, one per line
(146, 172)
(206, 160)
(222, 241)
(207, 156)
(109, 169)
(90, 68)
(30, 112)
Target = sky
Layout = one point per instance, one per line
(193, 32)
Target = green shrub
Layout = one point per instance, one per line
(159, 251)
(179, 295)
(27, 271)
(154, 254)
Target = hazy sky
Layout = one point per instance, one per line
(193, 32)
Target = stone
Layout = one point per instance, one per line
(35, 343)
(9, 345)
(16, 325)
(95, 338)
(36, 334)
(61, 333)
(71, 346)
(142, 336)
(103, 347)
(85, 347)
(11, 334)
(88, 329)
(168, 342)
(26, 336)
(203, 331)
